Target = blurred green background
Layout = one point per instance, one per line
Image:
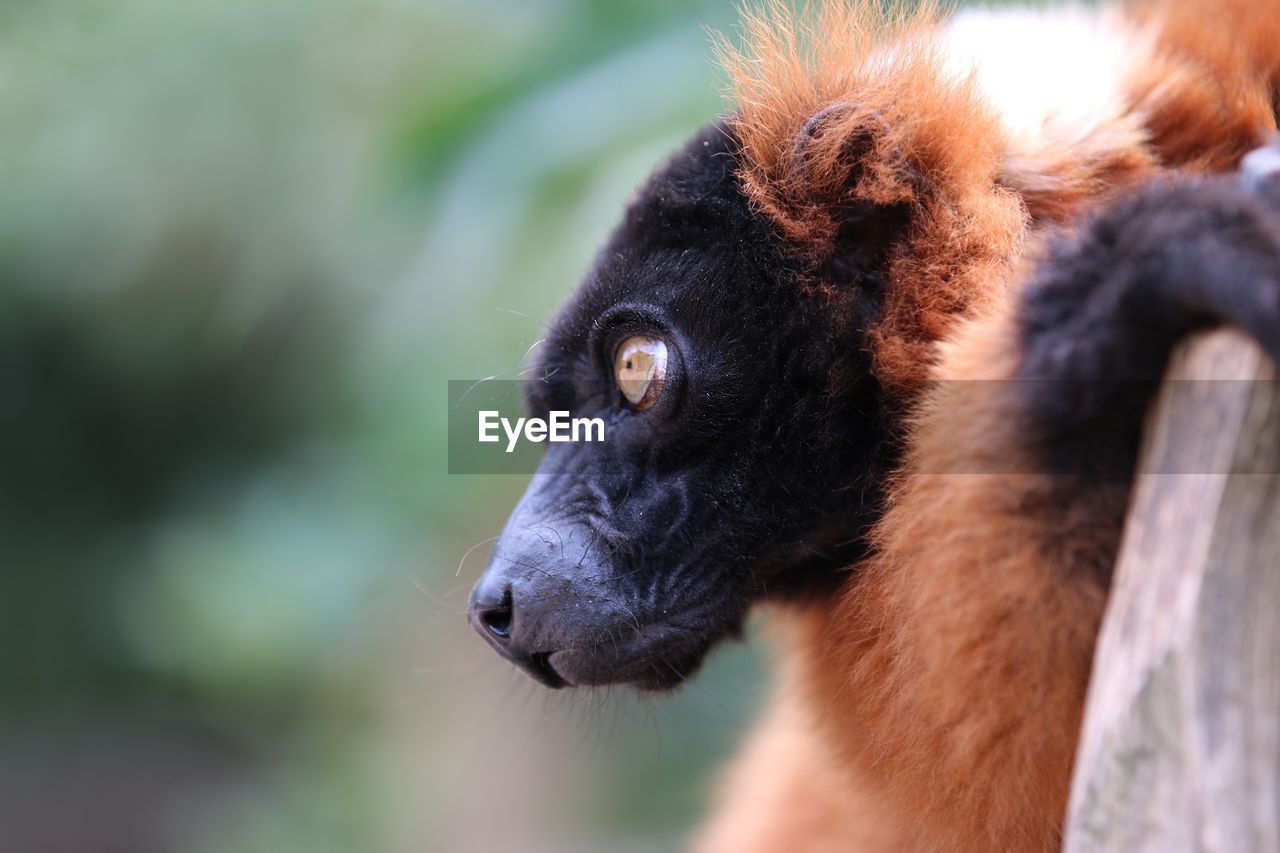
(243, 246)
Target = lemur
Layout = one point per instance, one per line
(875, 350)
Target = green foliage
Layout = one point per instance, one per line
(243, 246)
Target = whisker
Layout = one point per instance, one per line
(458, 573)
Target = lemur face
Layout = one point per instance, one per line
(743, 441)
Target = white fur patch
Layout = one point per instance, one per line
(1055, 76)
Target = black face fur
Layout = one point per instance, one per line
(753, 475)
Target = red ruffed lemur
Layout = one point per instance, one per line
(876, 349)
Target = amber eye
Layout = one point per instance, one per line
(640, 368)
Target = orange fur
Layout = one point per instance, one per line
(945, 683)
(964, 649)
(788, 769)
(1055, 186)
(1209, 94)
(965, 226)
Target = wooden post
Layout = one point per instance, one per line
(1180, 748)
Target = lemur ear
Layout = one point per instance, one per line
(852, 170)
(847, 155)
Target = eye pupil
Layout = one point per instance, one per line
(640, 368)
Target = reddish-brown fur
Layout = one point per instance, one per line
(907, 123)
(934, 704)
(1211, 85)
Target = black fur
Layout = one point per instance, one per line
(1102, 314)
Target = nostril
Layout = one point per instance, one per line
(497, 619)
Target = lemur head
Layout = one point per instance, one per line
(744, 436)
(749, 333)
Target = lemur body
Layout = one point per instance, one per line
(855, 275)
(950, 678)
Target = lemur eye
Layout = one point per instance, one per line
(640, 368)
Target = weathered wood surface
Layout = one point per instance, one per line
(1181, 742)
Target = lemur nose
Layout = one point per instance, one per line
(541, 607)
(513, 633)
(491, 612)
